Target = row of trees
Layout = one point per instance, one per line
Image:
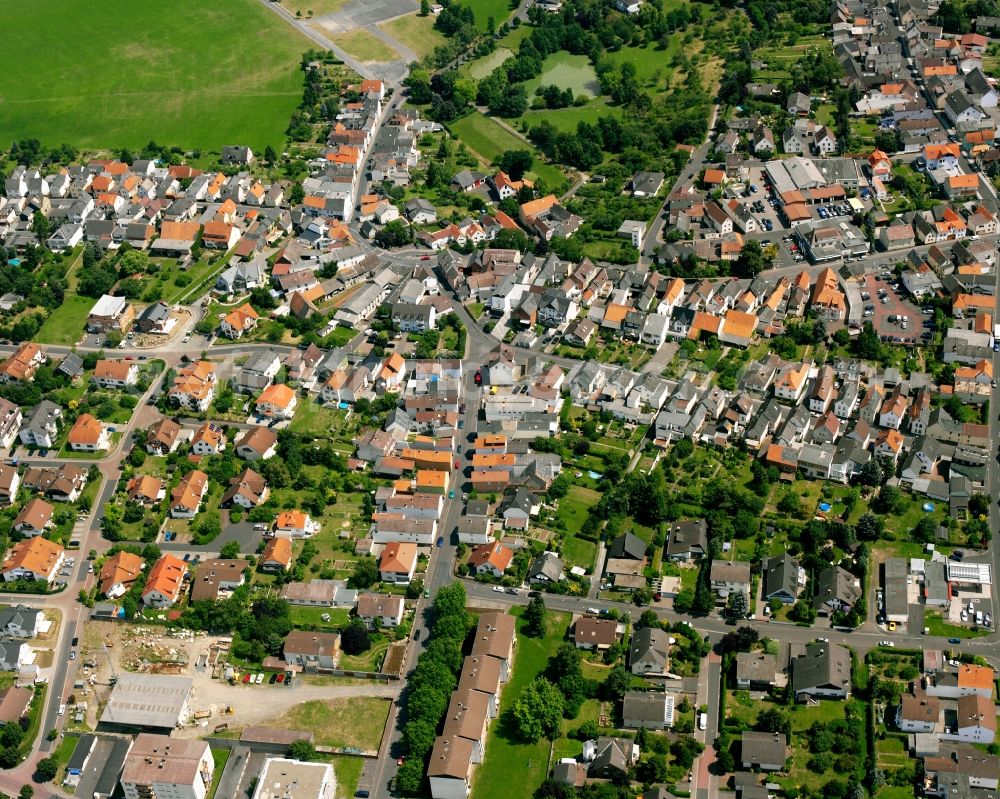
(432, 682)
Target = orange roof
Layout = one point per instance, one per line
(508, 459)
(713, 176)
(984, 323)
(393, 365)
(739, 324)
(977, 677)
(209, 433)
(963, 301)
(108, 369)
(964, 181)
(278, 550)
(431, 478)
(291, 520)
(535, 207)
(277, 394)
(615, 312)
(893, 439)
(827, 291)
(190, 490)
(166, 576)
(491, 440)
(399, 557)
(495, 554)
(238, 317)
(86, 430)
(940, 71)
(179, 231)
(144, 486)
(704, 323)
(934, 152)
(371, 85)
(674, 290)
(891, 88)
(122, 567)
(37, 555)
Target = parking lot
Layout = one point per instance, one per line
(882, 303)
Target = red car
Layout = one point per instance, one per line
(401, 761)
(456, 463)
(281, 678)
(425, 257)
(246, 678)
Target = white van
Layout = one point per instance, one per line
(702, 721)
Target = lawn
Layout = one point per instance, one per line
(511, 768)
(194, 276)
(308, 616)
(365, 46)
(317, 420)
(565, 120)
(651, 62)
(348, 770)
(220, 756)
(567, 71)
(66, 323)
(192, 74)
(358, 721)
(939, 627)
(318, 8)
(575, 507)
(366, 661)
(416, 32)
(485, 137)
(484, 10)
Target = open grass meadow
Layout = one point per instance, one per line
(119, 74)
(365, 46)
(416, 32)
(486, 138)
(357, 722)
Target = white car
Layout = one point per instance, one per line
(62, 710)
(498, 589)
(886, 643)
(260, 678)
(595, 611)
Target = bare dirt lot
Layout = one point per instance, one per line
(156, 650)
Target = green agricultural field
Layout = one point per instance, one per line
(120, 74)
(416, 32)
(567, 71)
(485, 137)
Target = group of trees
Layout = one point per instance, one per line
(432, 682)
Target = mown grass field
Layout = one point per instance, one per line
(365, 46)
(416, 32)
(120, 74)
(486, 138)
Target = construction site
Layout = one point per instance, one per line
(219, 700)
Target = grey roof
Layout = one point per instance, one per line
(155, 312)
(10, 649)
(836, 583)
(780, 575)
(650, 643)
(147, 700)
(71, 365)
(823, 665)
(20, 616)
(756, 667)
(547, 566)
(763, 747)
(627, 546)
(260, 360)
(688, 535)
